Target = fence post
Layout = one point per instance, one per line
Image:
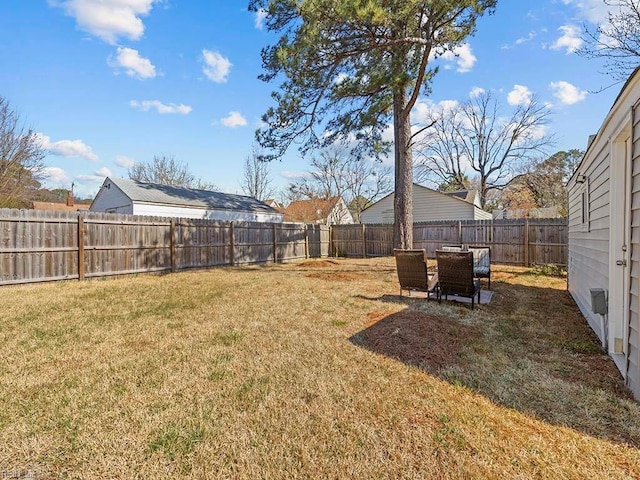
(172, 237)
(491, 233)
(364, 241)
(526, 242)
(331, 241)
(306, 241)
(232, 247)
(460, 232)
(80, 247)
(275, 244)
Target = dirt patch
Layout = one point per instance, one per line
(600, 373)
(336, 276)
(417, 338)
(318, 264)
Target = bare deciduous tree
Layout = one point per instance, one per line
(336, 173)
(617, 40)
(256, 179)
(476, 139)
(166, 170)
(21, 159)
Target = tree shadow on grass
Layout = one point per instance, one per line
(529, 349)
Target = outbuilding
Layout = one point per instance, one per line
(118, 195)
(430, 205)
(604, 233)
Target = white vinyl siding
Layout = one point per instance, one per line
(112, 200)
(589, 244)
(633, 362)
(479, 214)
(428, 205)
(592, 262)
(186, 212)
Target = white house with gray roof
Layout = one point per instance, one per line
(118, 195)
(429, 206)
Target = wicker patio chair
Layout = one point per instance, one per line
(414, 272)
(455, 276)
(452, 248)
(481, 262)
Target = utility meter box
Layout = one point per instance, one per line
(598, 301)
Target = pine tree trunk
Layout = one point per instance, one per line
(403, 203)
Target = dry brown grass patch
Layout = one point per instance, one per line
(266, 372)
(318, 264)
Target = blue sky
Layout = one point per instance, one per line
(111, 82)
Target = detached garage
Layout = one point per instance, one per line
(130, 197)
(604, 233)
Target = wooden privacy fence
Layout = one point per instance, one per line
(39, 246)
(520, 241)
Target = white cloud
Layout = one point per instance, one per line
(294, 175)
(160, 107)
(567, 93)
(259, 17)
(519, 95)
(216, 67)
(520, 41)
(68, 148)
(55, 175)
(425, 110)
(103, 172)
(538, 131)
(124, 161)
(108, 19)
(132, 63)
(95, 179)
(463, 56)
(594, 11)
(476, 92)
(234, 119)
(570, 39)
(526, 39)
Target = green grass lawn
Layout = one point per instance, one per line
(315, 370)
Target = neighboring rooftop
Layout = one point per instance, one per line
(60, 206)
(187, 197)
(312, 210)
(471, 196)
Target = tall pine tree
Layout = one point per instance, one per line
(349, 67)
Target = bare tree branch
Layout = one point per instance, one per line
(256, 177)
(617, 40)
(166, 170)
(21, 159)
(476, 138)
